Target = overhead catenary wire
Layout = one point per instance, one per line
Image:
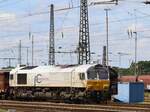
(97, 23)
(39, 13)
(62, 29)
(47, 12)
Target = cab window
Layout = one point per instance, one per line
(82, 76)
(92, 74)
(103, 74)
(97, 73)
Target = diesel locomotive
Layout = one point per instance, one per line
(76, 83)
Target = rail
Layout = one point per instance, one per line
(20, 106)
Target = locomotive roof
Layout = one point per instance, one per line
(77, 68)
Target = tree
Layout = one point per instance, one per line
(143, 68)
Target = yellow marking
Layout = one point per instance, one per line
(98, 85)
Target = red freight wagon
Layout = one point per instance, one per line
(146, 80)
(4, 80)
(127, 79)
(142, 78)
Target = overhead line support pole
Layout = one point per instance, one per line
(107, 37)
(51, 38)
(19, 53)
(32, 50)
(84, 38)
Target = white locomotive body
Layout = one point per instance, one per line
(48, 76)
(59, 82)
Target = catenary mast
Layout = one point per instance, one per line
(84, 38)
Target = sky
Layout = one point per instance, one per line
(19, 17)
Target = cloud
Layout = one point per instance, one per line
(7, 17)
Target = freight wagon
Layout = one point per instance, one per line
(142, 78)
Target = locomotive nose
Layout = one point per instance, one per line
(98, 85)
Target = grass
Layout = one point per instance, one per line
(2, 110)
(147, 94)
(147, 98)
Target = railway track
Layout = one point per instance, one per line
(61, 107)
(147, 99)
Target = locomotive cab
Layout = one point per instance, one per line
(98, 78)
